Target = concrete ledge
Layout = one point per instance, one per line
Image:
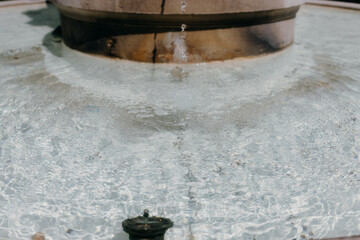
(125, 23)
(345, 5)
(20, 2)
(178, 6)
(180, 47)
(163, 31)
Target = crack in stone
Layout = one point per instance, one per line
(154, 52)
(162, 6)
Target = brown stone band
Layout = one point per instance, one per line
(133, 23)
(158, 38)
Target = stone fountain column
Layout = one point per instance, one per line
(181, 31)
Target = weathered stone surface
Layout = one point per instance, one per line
(131, 6)
(176, 6)
(200, 46)
(228, 6)
(181, 31)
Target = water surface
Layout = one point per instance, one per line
(262, 148)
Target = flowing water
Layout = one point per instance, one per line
(261, 148)
(180, 48)
(183, 7)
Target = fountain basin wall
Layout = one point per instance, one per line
(178, 31)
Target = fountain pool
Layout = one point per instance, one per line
(256, 148)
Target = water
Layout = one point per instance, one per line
(262, 148)
(180, 48)
(183, 7)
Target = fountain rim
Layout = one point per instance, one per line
(171, 22)
(192, 6)
(334, 4)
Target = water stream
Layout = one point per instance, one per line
(180, 48)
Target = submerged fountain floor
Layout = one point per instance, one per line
(266, 148)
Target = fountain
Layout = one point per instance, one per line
(146, 227)
(153, 30)
(246, 148)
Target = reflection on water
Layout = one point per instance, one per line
(266, 148)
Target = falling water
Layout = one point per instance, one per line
(183, 27)
(180, 51)
(183, 7)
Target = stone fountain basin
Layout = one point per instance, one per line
(175, 6)
(150, 31)
(264, 148)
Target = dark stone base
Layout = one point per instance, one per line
(129, 36)
(156, 238)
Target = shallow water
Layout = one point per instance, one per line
(262, 148)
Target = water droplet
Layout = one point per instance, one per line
(183, 27)
(183, 7)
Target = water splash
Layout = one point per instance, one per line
(180, 51)
(183, 27)
(183, 7)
